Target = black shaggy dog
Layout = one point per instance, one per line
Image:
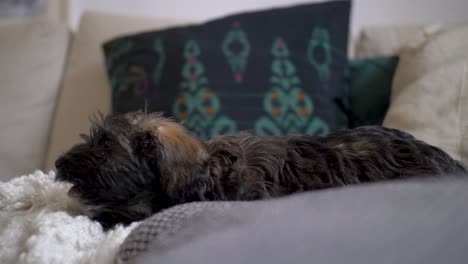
(134, 165)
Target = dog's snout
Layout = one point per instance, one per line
(59, 162)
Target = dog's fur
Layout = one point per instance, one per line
(134, 165)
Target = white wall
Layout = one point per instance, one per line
(364, 11)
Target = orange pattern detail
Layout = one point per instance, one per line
(277, 111)
(207, 95)
(300, 96)
(210, 111)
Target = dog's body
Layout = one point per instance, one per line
(134, 165)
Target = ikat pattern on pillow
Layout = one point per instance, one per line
(272, 72)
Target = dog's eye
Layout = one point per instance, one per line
(101, 157)
(107, 145)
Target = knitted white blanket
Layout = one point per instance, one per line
(39, 223)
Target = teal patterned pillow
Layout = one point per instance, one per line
(273, 72)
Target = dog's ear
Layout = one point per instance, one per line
(178, 172)
(146, 147)
(168, 147)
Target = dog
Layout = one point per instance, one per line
(133, 165)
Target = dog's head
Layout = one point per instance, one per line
(131, 166)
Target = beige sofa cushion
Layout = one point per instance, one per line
(430, 91)
(386, 40)
(32, 56)
(85, 86)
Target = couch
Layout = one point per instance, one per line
(70, 74)
(60, 81)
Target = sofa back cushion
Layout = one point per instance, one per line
(430, 91)
(32, 54)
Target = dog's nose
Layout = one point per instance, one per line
(59, 162)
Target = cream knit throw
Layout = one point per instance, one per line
(39, 223)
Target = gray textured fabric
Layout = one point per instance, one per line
(163, 226)
(404, 222)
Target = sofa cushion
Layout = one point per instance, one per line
(267, 71)
(386, 40)
(32, 54)
(413, 217)
(430, 91)
(85, 88)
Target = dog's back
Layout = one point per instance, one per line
(373, 153)
(260, 167)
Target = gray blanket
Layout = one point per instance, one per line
(399, 222)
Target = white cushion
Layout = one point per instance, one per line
(430, 91)
(32, 58)
(85, 87)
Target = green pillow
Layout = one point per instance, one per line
(370, 84)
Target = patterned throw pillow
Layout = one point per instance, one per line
(272, 72)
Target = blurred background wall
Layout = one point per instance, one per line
(365, 12)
